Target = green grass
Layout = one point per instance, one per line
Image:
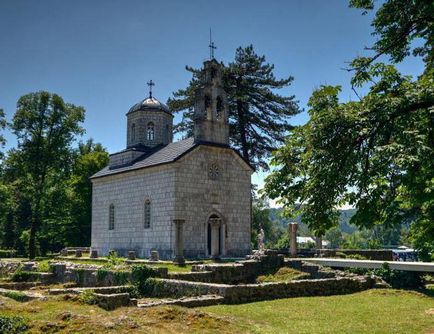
(373, 311)
(173, 267)
(284, 274)
(15, 295)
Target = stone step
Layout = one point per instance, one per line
(102, 290)
(204, 300)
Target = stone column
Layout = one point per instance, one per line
(293, 238)
(215, 235)
(179, 241)
(318, 246)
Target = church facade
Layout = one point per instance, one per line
(188, 198)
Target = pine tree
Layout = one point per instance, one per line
(258, 116)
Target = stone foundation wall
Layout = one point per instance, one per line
(239, 272)
(370, 254)
(93, 277)
(234, 294)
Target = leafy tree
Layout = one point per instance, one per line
(377, 153)
(334, 236)
(89, 158)
(258, 116)
(397, 24)
(2, 127)
(6, 222)
(45, 127)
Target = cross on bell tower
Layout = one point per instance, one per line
(211, 46)
(150, 84)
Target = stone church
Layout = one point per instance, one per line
(187, 198)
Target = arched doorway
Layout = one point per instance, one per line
(214, 238)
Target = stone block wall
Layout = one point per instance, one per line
(94, 277)
(242, 293)
(227, 195)
(128, 192)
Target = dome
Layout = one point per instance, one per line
(150, 103)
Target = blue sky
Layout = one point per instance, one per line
(100, 54)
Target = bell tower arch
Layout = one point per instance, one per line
(211, 109)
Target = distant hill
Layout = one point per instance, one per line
(344, 221)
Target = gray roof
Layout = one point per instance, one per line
(163, 155)
(166, 154)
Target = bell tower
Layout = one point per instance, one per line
(211, 109)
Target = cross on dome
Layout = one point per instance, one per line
(150, 84)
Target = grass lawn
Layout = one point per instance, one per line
(374, 311)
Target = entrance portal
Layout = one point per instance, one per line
(214, 243)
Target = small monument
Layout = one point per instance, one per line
(93, 254)
(131, 255)
(261, 238)
(154, 256)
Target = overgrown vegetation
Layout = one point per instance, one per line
(87, 297)
(284, 274)
(398, 279)
(16, 295)
(12, 324)
(7, 253)
(21, 275)
(141, 275)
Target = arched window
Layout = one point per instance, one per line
(133, 132)
(147, 214)
(151, 131)
(111, 217)
(207, 101)
(219, 108)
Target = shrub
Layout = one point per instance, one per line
(114, 259)
(16, 295)
(79, 276)
(101, 274)
(88, 297)
(121, 277)
(6, 253)
(12, 324)
(399, 279)
(140, 275)
(22, 276)
(44, 266)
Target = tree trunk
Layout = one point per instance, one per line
(242, 131)
(32, 240)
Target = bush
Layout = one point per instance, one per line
(121, 277)
(12, 324)
(101, 274)
(15, 295)
(399, 279)
(88, 297)
(79, 276)
(44, 266)
(22, 276)
(114, 259)
(7, 253)
(140, 275)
